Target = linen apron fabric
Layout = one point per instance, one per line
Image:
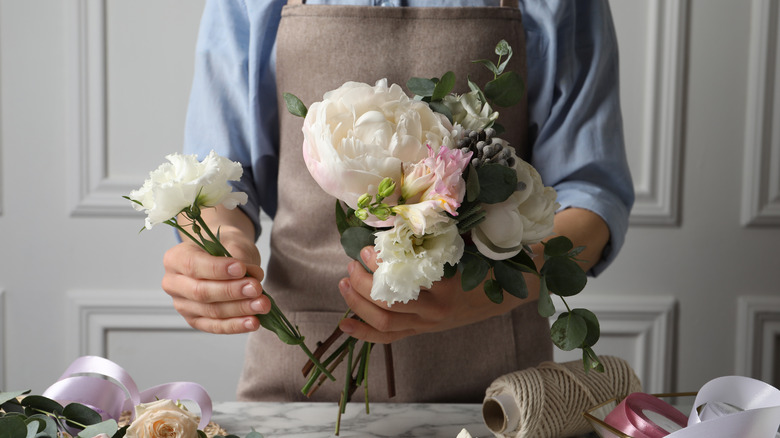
(318, 49)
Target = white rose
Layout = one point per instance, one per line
(469, 111)
(409, 262)
(162, 419)
(360, 134)
(525, 218)
(183, 182)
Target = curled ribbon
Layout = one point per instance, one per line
(642, 415)
(107, 388)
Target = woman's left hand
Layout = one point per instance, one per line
(444, 306)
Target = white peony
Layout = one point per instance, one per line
(469, 111)
(183, 182)
(523, 219)
(360, 134)
(409, 261)
(162, 419)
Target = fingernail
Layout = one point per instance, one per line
(350, 267)
(256, 306)
(366, 254)
(236, 270)
(347, 327)
(249, 290)
(249, 324)
(344, 285)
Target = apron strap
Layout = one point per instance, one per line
(504, 3)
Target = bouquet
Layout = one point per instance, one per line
(428, 182)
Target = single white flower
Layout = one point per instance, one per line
(409, 261)
(464, 434)
(525, 218)
(183, 182)
(469, 111)
(162, 419)
(360, 134)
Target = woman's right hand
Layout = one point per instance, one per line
(217, 294)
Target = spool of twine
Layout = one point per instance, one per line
(548, 401)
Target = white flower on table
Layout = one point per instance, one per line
(162, 419)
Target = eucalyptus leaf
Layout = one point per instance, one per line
(505, 90)
(496, 183)
(564, 276)
(576, 251)
(503, 48)
(450, 270)
(421, 86)
(489, 64)
(11, 395)
(49, 426)
(545, 305)
(342, 222)
(472, 184)
(441, 109)
(355, 239)
(558, 246)
(473, 268)
(594, 328)
(254, 434)
(511, 279)
(568, 331)
(39, 404)
(32, 429)
(79, 415)
(591, 361)
(108, 427)
(444, 86)
(12, 426)
(524, 262)
(493, 291)
(294, 105)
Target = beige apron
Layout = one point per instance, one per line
(318, 49)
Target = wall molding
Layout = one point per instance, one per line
(657, 196)
(3, 338)
(761, 166)
(92, 314)
(650, 321)
(93, 191)
(758, 328)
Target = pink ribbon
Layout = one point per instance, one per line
(107, 388)
(630, 416)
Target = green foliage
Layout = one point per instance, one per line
(294, 105)
(496, 183)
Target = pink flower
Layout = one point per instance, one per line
(437, 178)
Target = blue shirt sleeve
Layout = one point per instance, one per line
(575, 124)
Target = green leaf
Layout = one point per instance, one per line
(557, 246)
(294, 105)
(47, 427)
(564, 276)
(511, 279)
(594, 328)
(545, 305)
(496, 183)
(569, 331)
(11, 395)
(12, 426)
(444, 86)
(79, 415)
(342, 222)
(108, 427)
(421, 86)
(474, 87)
(524, 262)
(39, 404)
(450, 270)
(473, 268)
(472, 184)
(214, 248)
(503, 48)
(493, 291)
(254, 434)
(490, 65)
(441, 109)
(272, 323)
(355, 239)
(505, 90)
(591, 361)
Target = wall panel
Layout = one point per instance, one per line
(758, 331)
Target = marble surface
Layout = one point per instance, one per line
(315, 420)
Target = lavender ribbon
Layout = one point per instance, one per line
(107, 388)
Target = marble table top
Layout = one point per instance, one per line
(314, 420)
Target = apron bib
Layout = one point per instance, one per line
(318, 49)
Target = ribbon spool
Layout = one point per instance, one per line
(548, 401)
(642, 415)
(107, 388)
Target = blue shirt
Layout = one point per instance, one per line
(575, 123)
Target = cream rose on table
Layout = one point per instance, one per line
(163, 419)
(360, 134)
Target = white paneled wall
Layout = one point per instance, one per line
(93, 94)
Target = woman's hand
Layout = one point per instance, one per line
(442, 307)
(217, 294)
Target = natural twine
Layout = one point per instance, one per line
(552, 397)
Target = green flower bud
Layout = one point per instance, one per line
(361, 214)
(196, 229)
(386, 188)
(364, 200)
(382, 211)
